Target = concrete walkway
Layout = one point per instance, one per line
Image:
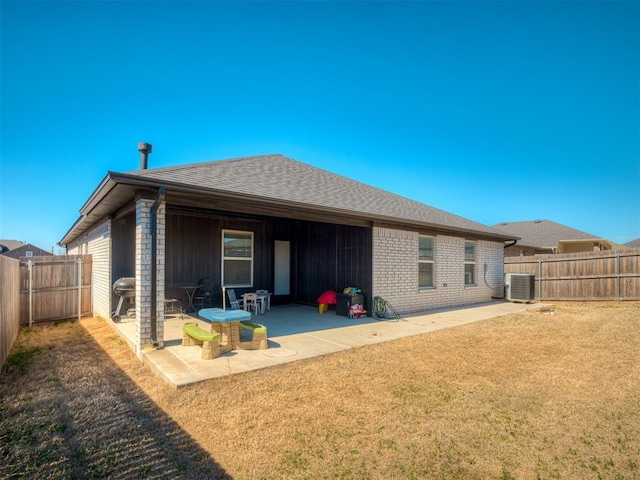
(296, 332)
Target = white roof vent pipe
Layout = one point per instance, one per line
(144, 149)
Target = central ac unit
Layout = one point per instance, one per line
(519, 287)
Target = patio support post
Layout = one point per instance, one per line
(143, 274)
(157, 273)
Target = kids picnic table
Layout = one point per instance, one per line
(227, 324)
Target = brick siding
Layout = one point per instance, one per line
(395, 271)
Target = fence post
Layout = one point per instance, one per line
(30, 267)
(539, 279)
(618, 286)
(79, 261)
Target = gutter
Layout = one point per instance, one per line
(114, 178)
(136, 180)
(106, 185)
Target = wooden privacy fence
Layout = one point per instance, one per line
(52, 288)
(9, 305)
(582, 276)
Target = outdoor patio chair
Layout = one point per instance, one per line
(234, 303)
(251, 303)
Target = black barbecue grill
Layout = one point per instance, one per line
(124, 287)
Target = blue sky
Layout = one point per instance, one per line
(494, 111)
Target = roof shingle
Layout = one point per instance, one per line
(276, 177)
(542, 233)
(633, 243)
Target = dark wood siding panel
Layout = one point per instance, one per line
(317, 260)
(348, 257)
(353, 255)
(123, 235)
(123, 258)
(332, 257)
(192, 252)
(194, 249)
(323, 256)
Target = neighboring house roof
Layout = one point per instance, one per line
(633, 243)
(25, 249)
(280, 181)
(20, 249)
(543, 234)
(10, 245)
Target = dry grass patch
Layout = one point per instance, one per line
(531, 395)
(67, 410)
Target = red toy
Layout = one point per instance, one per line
(327, 298)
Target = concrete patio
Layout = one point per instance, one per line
(297, 332)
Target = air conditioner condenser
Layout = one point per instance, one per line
(519, 287)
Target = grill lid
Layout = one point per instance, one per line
(125, 286)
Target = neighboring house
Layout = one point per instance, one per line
(270, 222)
(8, 245)
(16, 249)
(633, 243)
(545, 237)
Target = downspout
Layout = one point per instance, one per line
(162, 195)
(485, 273)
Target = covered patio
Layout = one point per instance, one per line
(297, 232)
(297, 332)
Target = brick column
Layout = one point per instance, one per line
(160, 272)
(143, 274)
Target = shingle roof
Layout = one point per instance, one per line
(12, 244)
(276, 177)
(542, 233)
(633, 243)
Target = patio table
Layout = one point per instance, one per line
(226, 323)
(191, 290)
(263, 297)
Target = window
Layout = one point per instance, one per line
(29, 253)
(469, 263)
(237, 259)
(425, 262)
